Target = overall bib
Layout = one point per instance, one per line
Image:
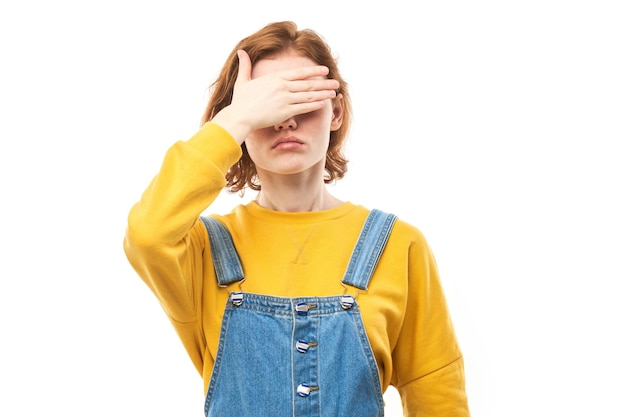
(303, 356)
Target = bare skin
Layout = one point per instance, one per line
(284, 108)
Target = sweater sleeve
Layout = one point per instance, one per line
(440, 393)
(429, 373)
(164, 241)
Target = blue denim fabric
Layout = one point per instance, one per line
(225, 259)
(307, 356)
(368, 248)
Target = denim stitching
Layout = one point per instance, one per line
(369, 248)
(225, 258)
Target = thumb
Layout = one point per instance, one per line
(245, 67)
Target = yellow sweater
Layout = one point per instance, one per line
(292, 254)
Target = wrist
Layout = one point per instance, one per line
(228, 121)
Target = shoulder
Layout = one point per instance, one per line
(402, 230)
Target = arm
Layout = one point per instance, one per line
(164, 242)
(161, 242)
(430, 375)
(160, 239)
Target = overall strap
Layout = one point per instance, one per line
(225, 259)
(369, 247)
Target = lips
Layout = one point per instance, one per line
(287, 141)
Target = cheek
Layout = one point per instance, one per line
(254, 143)
(250, 147)
(255, 138)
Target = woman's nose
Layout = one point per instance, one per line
(289, 124)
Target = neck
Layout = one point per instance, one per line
(296, 196)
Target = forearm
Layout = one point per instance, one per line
(160, 242)
(191, 177)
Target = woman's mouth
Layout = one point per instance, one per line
(287, 143)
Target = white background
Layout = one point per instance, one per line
(496, 127)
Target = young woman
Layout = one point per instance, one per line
(296, 304)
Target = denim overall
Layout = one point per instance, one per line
(304, 356)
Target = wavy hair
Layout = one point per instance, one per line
(267, 42)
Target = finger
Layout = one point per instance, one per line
(306, 107)
(244, 72)
(323, 84)
(311, 96)
(303, 73)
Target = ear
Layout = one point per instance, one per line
(337, 119)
